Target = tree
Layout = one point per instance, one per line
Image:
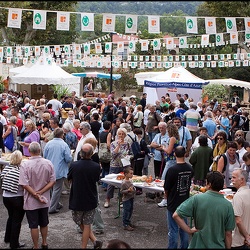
(217, 91)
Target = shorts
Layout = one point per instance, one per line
(83, 217)
(38, 217)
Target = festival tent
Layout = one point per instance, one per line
(140, 77)
(98, 75)
(174, 80)
(20, 69)
(230, 82)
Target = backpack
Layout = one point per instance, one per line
(225, 160)
(104, 153)
(241, 121)
(135, 146)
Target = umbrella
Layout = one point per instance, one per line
(98, 75)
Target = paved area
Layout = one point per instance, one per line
(149, 219)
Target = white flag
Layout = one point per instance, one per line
(46, 50)
(57, 50)
(14, 18)
(156, 44)
(219, 39)
(98, 48)
(131, 46)
(247, 37)
(233, 37)
(39, 19)
(9, 52)
(231, 24)
(191, 24)
(77, 49)
(247, 24)
(27, 51)
(153, 24)
(183, 42)
(37, 50)
(18, 50)
(87, 21)
(204, 39)
(62, 20)
(131, 24)
(108, 23)
(108, 47)
(144, 45)
(86, 48)
(67, 50)
(170, 43)
(210, 24)
(120, 47)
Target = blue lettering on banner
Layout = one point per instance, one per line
(187, 85)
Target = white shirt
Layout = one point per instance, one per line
(56, 105)
(145, 118)
(196, 143)
(241, 153)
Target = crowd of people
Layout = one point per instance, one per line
(71, 139)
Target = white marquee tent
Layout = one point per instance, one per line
(230, 82)
(140, 77)
(174, 80)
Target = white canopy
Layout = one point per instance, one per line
(140, 77)
(20, 69)
(230, 82)
(45, 71)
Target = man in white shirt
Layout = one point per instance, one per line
(56, 104)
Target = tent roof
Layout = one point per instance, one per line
(45, 72)
(175, 77)
(140, 77)
(97, 75)
(20, 69)
(230, 82)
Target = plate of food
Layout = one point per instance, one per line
(229, 197)
(110, 176)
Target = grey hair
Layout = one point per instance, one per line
(243, 173)
(162, 124)
(13, 119)
(209, 114)
(16, 157)
(121, 130)
(35, 148)
(126, 126)
(85, 125)
(67, 126)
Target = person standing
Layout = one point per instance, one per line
(58, 152)
(241, 204)
(13, 200)
(37, 176)
(143, 101)
(56, 105)
(128, 194)
(176, 187)
(83, 199)
(208, 233)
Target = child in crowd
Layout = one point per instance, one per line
(128, 193)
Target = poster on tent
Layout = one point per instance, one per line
(156, 91)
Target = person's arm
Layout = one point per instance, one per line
(228, 239)
(242, 228)
(7, 132)
(182, 224)
(189, 145)
(109, 140)
(220, 164)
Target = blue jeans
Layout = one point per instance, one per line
(169, 164)
(173, 231)
(128, 207)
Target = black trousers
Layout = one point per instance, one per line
(16, 213)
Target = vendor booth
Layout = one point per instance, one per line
(173, 81)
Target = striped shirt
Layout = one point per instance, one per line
(10, 178)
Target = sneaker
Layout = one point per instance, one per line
(163, 203)
(106, 204)
(128, 228)
(98, 244)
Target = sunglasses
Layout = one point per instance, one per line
(220, 138)
(81, 128)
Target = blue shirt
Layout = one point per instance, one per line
(187, 136)
(211, 127)
(160, 139)
(58, 152)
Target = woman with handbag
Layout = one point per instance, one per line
(10, 136)
(13, 200)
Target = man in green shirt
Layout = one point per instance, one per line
(212, 214)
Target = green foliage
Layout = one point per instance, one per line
(217, 91)
(60, 90)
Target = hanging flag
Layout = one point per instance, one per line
(57, 50)
(108, 47)
(18, 51)
(25, 60)
(191, 24)
(131, 24)
(120, 47)
(153, 24)
(210, 24)
(247, 37)
(233, 37)
(170, 43)
(183, 42)
(66, 49)
(87, 21)
(9, 52)
(231, 24)
(37, 50)
(131, 46)
(247, 24)
(156, 44)
(46, 50)
(62, 20)
(144, 45)
(27, 51)
(204, 40)
(219, 39)
(39, 19)
(108, 23)
(16, 60)
(98, 48)
(142, 65)
(86, 48)
(14, 18)
(77, 49)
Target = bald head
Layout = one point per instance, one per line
(87, 151)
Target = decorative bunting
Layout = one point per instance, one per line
(144, 45)
(108, 23)
(205, 40)
(183, 42)
(108, 47)
(219, 39)
(87, 21)
(233, 37)
(156, 44)
(14, 18)
(210, 25)
(131, 24)
(231, 24)
(120, 47)
(39, 19)
(153, 24)
(170, 43)
(62, 21)
(191, 24)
